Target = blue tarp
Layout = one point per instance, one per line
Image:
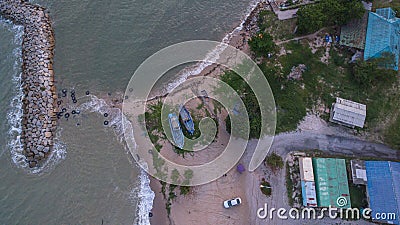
(384, 189)
(382, 35)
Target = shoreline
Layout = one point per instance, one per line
(39, 120)
(237, 38)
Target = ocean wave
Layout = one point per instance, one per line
(212, 56)
(14, 115)
(144, 196)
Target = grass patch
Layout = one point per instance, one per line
(278, 29)
(289, 186)
(274, 161)
(358, 196)
(392, 135)
(321, 83)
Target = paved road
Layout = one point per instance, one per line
(332, 144)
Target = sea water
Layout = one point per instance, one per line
(90, 177)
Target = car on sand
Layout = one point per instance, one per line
(232, 202)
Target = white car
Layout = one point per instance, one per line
(232, 202)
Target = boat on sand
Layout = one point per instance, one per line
(176, 130)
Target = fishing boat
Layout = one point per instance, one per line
(187, 119)
(176, 130)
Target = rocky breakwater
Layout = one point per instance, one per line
(39, 102)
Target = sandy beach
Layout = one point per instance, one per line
(203, 205)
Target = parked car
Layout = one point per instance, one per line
(232, 202)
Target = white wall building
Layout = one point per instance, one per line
(348, 113)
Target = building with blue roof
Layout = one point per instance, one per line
(383, 188)
(383, 32)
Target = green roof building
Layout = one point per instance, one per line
(331, 182)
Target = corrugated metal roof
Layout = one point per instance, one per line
(353, 33)
(308, 193)
(306, 169)
(353, 106)
(362, 174)
(382, 35)
(331, 182)
(358, 172)
(384, 188)
(349, 112)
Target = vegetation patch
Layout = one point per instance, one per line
(365, 82)
(262, 44)
(278, 29)
(289, 186)
(358, 196)
(265, 187)
(326, 13)
(274, 161)
(392, 135)
(249, 99)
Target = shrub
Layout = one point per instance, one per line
(274, 161)
(262, 43)
(328, 13)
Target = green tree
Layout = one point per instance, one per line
(274, 161)
(310, 18)
(262, 43)
(328, 13)
(250, 102)
(375, 72)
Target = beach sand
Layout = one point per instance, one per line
(204, 203)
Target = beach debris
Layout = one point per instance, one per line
(105, 122)
(87, 92)
(296, 72)
(105, 114)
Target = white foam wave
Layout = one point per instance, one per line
(145, 197)
(212, 56)
(15, 113)
(115, 118)
(142, 195)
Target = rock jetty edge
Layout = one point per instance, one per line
(39, 121)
